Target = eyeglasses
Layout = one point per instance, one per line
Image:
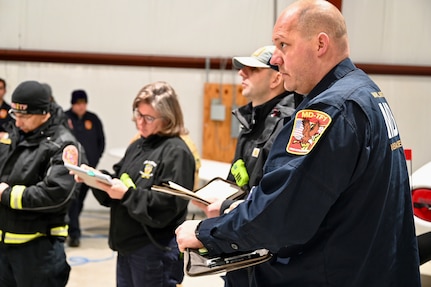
(148, 119)
(20, 116)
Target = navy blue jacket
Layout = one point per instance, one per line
(88, 130)
(334, 203)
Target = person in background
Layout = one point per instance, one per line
(334, 204)
(61, 114)
(49, 91)
(4, 108)
(143, 221)
(195, 152)
(88, 129)
(35, 191)
(269, 107)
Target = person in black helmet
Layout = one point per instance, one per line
(35, 191)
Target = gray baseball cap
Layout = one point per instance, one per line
(259, 59)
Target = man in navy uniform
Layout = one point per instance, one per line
(88, 129)
(334, 204)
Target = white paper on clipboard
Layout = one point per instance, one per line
(215, 188)
(90, 178)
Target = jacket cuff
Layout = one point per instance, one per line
(225, 205)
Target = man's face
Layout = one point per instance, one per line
(2, 91)
(79, 108)
(255, 82)
(28, 123)
(295, 56)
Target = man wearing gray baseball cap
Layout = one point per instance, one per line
(259, 59)
(261, 119)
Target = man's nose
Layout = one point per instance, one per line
(275, 59)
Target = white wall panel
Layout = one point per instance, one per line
(380, 31)
(389, 31)
(168, 27)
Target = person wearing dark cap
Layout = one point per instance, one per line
(49, 91)
(261, 119)
(88, 129)
(4, 108)
(35, 191)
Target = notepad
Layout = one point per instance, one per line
(90, 178)
(215, 188)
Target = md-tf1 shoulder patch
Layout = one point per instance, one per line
(309, 125)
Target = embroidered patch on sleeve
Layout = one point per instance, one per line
(308, 127)
(71, 155)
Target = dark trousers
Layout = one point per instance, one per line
(40, 262)
(150, 266)
(258, 275)
(75, 209)
(424, 246)
(238, 278)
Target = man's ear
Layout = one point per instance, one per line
(46, 117)
(277, 79)
(323, 43)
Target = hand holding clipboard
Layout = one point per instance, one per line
(89, 176)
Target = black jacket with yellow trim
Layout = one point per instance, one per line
(40, 187)
(144, 216)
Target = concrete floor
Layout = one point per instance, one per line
(93, 263)
(426, 274)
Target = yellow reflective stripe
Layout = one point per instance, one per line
(128, 182)
(16, 196)
(5, 141)
(13, 238)
(59, 231)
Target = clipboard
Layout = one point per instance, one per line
(217, 187)
(90, 178)
(197, 263)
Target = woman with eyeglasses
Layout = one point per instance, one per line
(143, 221)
